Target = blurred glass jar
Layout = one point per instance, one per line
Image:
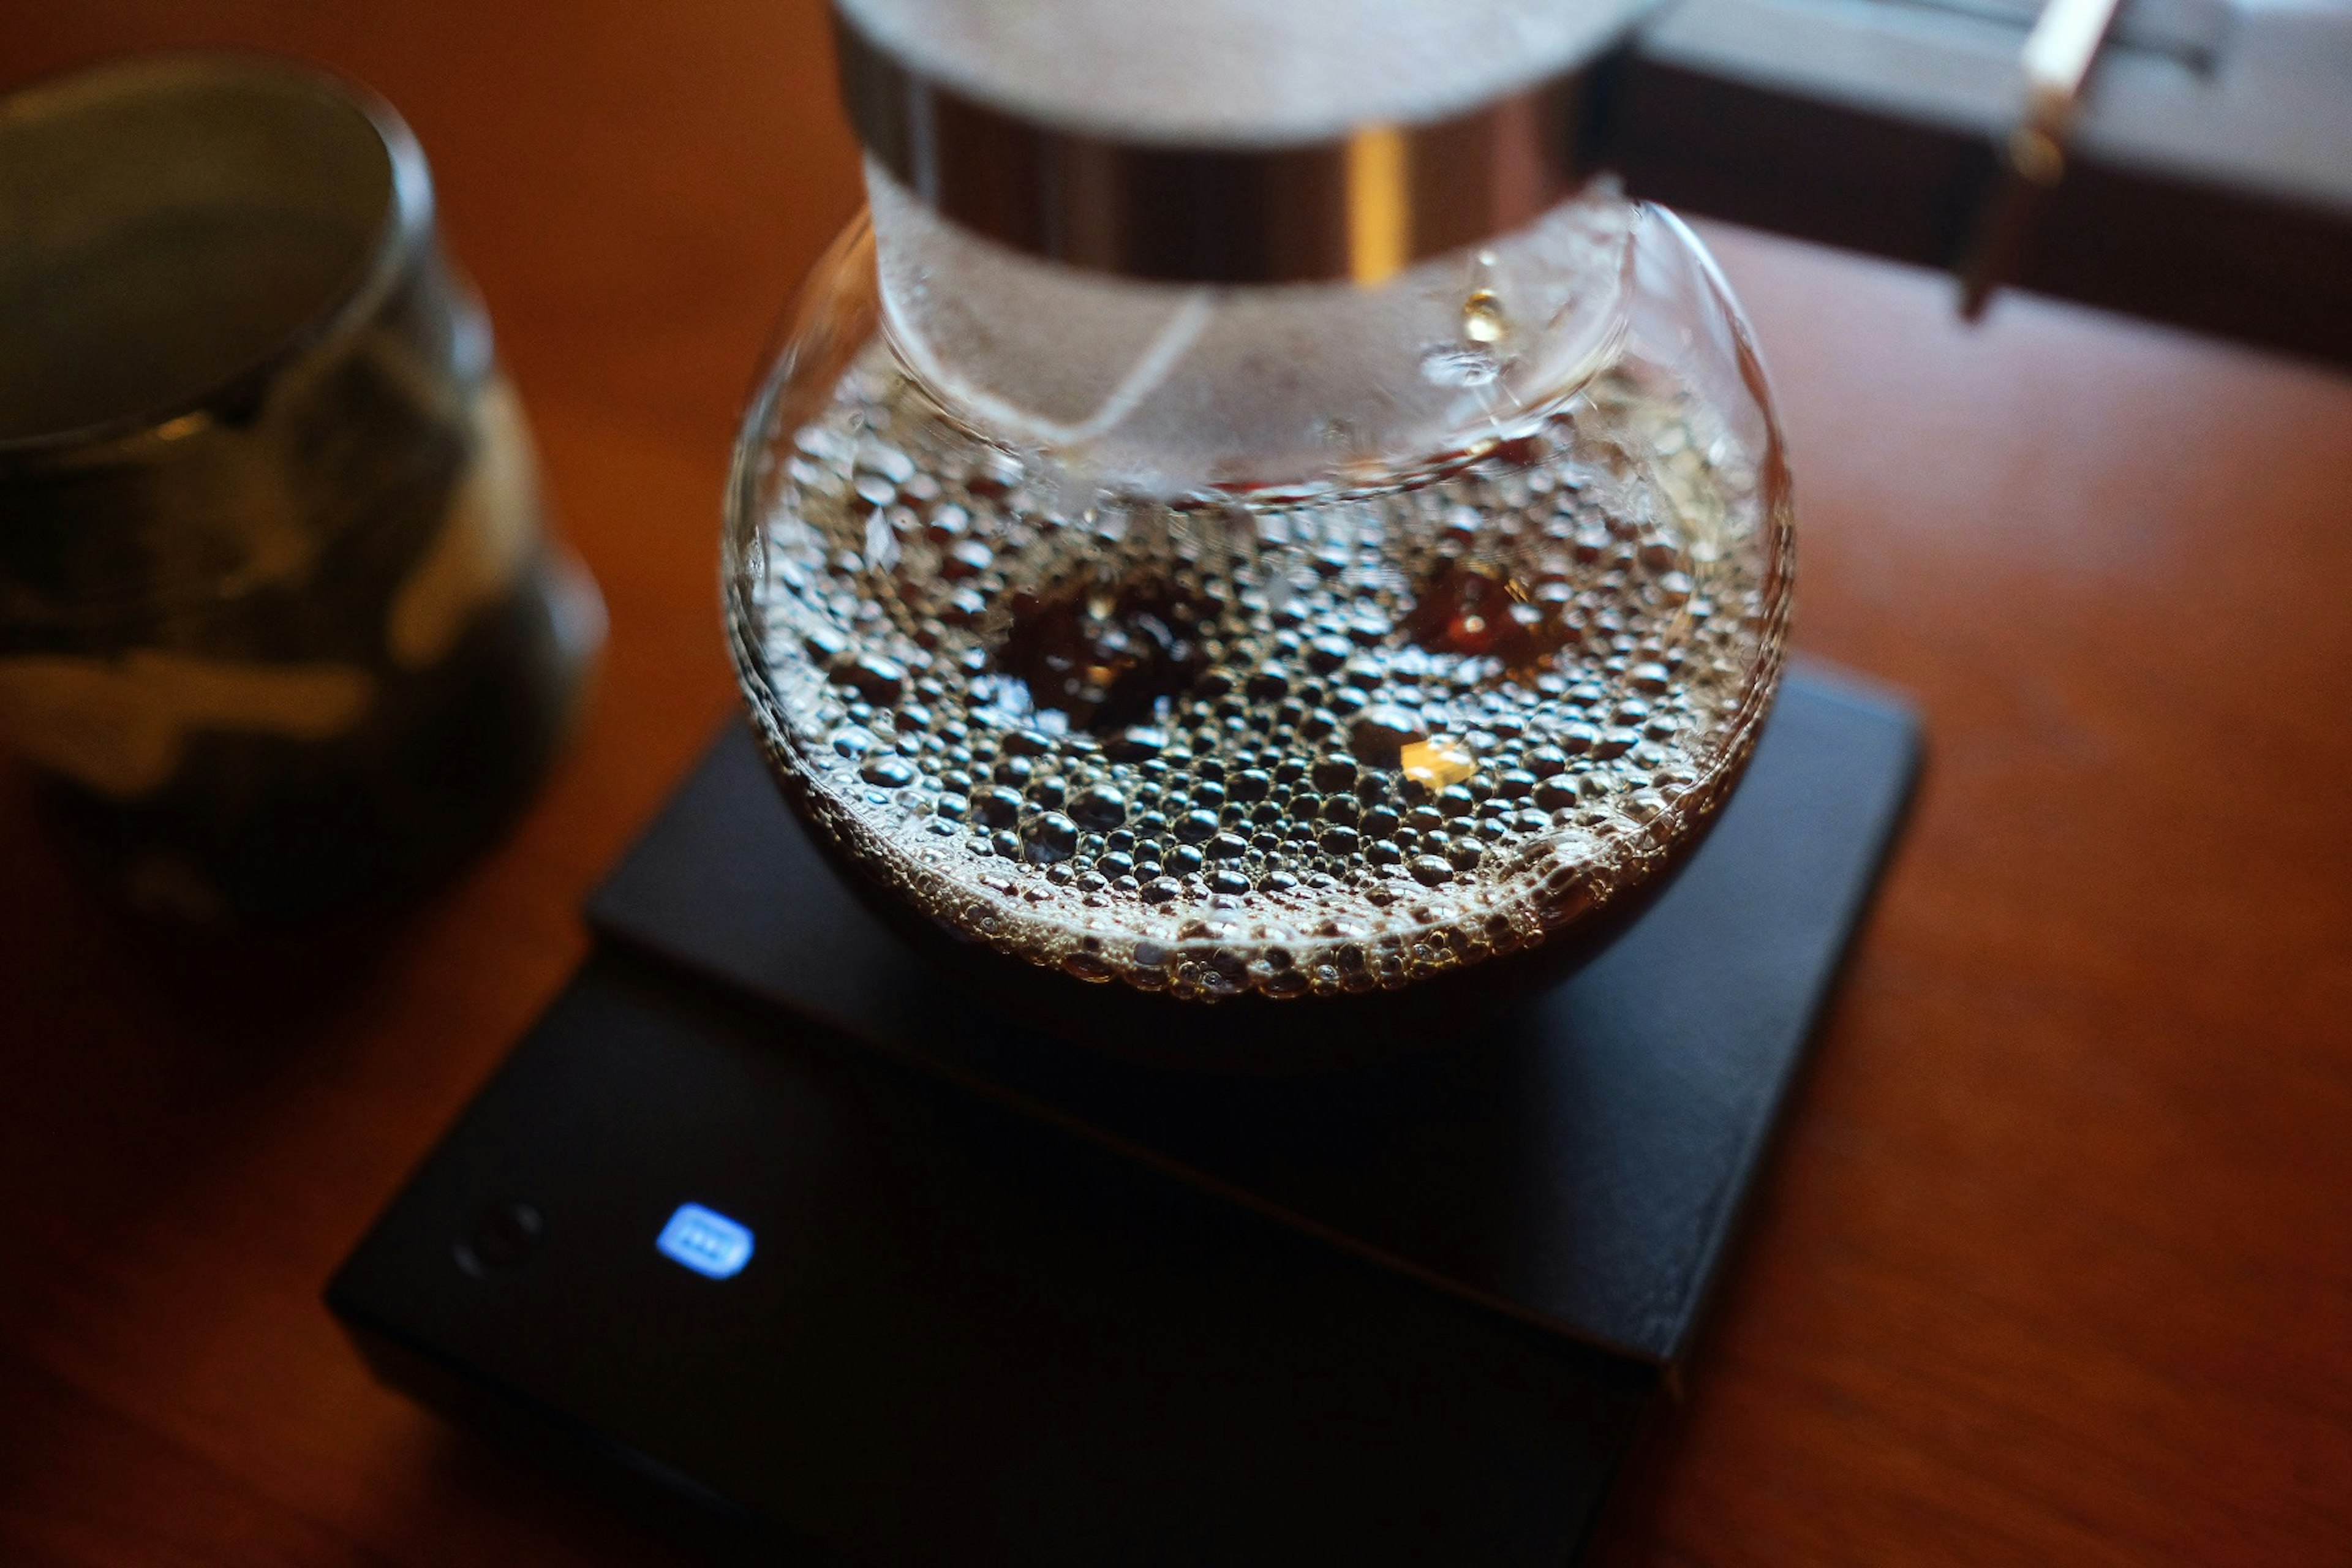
(280, 625)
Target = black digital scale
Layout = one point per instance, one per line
(769, 1214)
(766, 1211)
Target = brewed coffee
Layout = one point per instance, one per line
(1312, 743)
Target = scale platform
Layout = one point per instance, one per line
(770, 1215)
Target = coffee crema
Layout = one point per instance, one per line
(1306, 742)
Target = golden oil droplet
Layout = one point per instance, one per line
(1483, 321)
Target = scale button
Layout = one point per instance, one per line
(705, 1241)
(505, 1232)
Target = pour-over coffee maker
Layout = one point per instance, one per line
(1307, 588)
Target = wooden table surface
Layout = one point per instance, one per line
(2055, 1265)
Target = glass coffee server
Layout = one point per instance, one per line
(1247, 548)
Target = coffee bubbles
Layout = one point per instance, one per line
(1319, 742)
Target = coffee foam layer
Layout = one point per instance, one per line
(1321, 745)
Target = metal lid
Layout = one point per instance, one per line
(1231, 140)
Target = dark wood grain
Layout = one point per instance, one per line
(2055, 1265)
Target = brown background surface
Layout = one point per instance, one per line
(2055, 1265)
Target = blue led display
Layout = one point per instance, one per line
(705, 1241)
